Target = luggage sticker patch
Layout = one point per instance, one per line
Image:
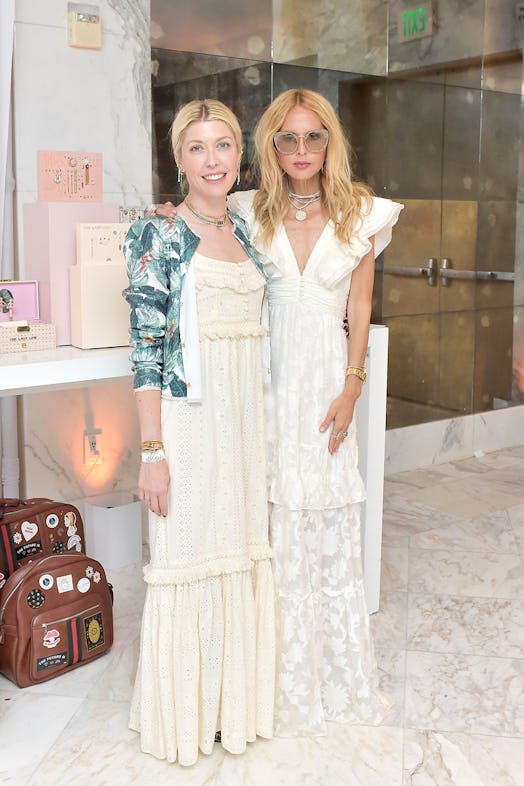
(46, 581)
(52, 520)
(51, 638)
(94, 631)
(74, 540)
(51, 661)
(35, 598)
(29, 530)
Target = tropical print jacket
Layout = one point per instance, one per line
(162, 297)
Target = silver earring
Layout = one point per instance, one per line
(238, 177)
(179, 176)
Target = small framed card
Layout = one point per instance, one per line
(100, 243)
(68, 176)
(18, 300)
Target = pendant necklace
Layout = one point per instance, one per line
(219, 221)
(300, 202)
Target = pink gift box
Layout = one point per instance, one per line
(18, 300)
(50, 250)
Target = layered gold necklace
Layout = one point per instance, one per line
(218, 221)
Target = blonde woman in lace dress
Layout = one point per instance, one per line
(207, 659)
(318, 232)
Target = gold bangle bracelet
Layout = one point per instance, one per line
(357, 371)
(151, 444)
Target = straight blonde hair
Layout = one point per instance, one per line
(196, 112)
(343, 198)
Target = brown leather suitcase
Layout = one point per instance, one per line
(34, 528)
(56, 613)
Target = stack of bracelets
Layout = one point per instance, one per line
(152, 450)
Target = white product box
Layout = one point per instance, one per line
(99, 312)
(113, 529)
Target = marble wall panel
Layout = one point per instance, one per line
(82, 99)
(427, 444)
(72, 99)
(344, 35)
(230, 28)
(53, 440)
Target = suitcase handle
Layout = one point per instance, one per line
(13, 502)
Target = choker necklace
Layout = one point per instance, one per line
(300, 202)
(220, 221)
(304, 197)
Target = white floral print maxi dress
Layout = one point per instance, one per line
(325, 662)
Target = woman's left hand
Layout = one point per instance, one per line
(165, 210)
(339, 416)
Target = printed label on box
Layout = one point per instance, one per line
(99, 243)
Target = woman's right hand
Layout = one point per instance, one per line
(153, 483)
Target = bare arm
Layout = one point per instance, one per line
(153, 479)
(341, 411)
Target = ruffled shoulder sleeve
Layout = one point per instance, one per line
(241, 202)
(379, 222)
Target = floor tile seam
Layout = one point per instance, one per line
(465, 733)
(439, 593)
(455, 550)
(464, 654)
(480, 656)
(417, 593)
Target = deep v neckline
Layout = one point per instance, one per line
(311, 253)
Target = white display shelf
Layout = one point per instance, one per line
(63, 367)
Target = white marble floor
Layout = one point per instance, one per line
(449, 640)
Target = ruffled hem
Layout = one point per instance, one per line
(167, 575)
(207, 662)
(308, 478)
(233, 330)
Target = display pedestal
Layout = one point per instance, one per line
(113, 529)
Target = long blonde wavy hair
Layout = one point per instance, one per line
(340, 194)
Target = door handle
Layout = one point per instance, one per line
(447, 273)
(429, 272)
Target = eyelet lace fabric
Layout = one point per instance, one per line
(207, 658)
(326, 669)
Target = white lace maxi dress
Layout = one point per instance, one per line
(325, 666)
(207, 658)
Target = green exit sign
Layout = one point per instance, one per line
(416, 22)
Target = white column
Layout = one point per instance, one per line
(371, 428)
